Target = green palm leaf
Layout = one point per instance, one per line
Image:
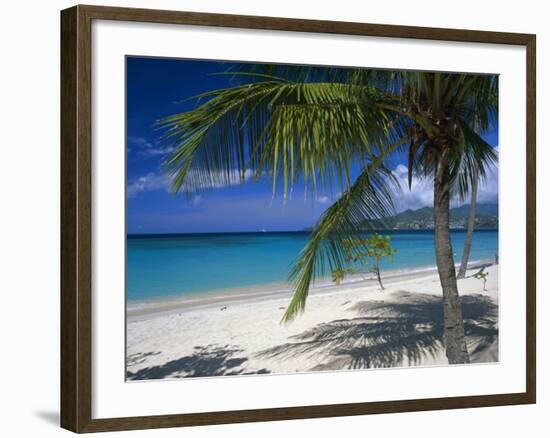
(280, 128)
(369, 198)
(476, 157)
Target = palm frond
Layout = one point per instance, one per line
(279, 128)
(369, 198)
(473, 161)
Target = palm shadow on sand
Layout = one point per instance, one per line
(403, 330)
(205, 361)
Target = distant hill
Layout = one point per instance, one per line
(422, 219)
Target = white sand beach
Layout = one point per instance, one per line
(351, 326)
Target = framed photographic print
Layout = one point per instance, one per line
(268, 219)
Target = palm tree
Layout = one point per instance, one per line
(470, 230)
(307, 125)
(492, 98)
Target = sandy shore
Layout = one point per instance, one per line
(351, 326)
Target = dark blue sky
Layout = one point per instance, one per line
(156, 88)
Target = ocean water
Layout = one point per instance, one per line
(162, 266)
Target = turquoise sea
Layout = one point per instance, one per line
(165, 266)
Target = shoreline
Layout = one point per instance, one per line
(150, 308)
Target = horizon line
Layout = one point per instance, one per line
(295, 231)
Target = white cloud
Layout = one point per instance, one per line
(323, 199)
(156, 151)
(488, 189)
(421, 192)
(139, 141)
(144, 147)
(153, 182)
(147, 183)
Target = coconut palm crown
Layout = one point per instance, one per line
(307, 125)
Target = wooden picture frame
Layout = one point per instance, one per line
(76, 218)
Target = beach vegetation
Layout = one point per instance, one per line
(361, 249)
(378, 248)
(338, 276)
(482, 276)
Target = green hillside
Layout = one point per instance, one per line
(422, 219)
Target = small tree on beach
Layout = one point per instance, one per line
(483, 277)
(338, 276)
(379, 247)
(376, 247)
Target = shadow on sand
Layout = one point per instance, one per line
(204, 362)
(403, 330)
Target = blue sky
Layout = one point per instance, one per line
(156, 88)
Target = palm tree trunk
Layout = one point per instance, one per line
(470, 231)
(455, 341)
